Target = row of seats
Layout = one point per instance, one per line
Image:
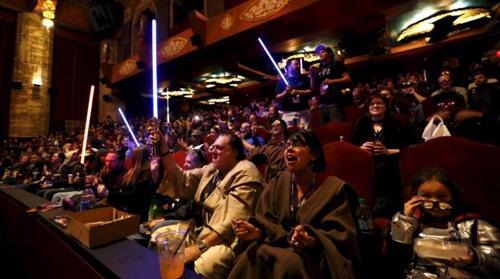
(473, 165)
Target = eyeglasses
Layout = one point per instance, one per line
(445, 206)
(446, 105)
(444, 81)
(377, 103)
(295, 144)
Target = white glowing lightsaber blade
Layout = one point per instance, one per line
(168, 106)
(272, 60)
(155, 73)
(87, 124)
(128, 126)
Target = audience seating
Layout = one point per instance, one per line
(208, 139)
(261, 132)
(473, 166)
(353, 114)
(127, 163)
(314, 119)
(180, 158)
(332, 131)
(403, 120)
(353, 165)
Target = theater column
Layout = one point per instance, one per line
(108, 101)
(30, 104)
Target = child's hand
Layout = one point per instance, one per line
(463, 261)
(411, 206)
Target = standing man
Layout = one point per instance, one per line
(329, 78)
(227, 190)
(294, 98)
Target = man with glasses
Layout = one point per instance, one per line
(446, 84)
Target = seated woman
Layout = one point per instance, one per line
(379, 133)
(304, 225)
(436, 212)
(134, 194)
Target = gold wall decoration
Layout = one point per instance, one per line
(127, 67)
(227, 22)
(262, 9)
(172, 47)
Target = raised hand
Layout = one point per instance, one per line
(412, 205)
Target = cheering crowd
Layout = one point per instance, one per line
(289, 219)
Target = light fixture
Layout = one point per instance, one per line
(443, 24)
(182, 92)
(48, 10)
(223, 81)
(48, 14)
(49, 5)
(47, 22)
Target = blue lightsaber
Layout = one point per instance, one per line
(155, 73)
(272, 60)
(128, 126)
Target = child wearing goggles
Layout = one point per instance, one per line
(435, 213)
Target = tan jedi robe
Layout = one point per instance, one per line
(326, 215)
(234, 198)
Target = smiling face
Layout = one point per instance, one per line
(435, 191)
(325, 56)
(298, 156)
(223, 156)
(277, 129)
(377, 107)
(445, 82)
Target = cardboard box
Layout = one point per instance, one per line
(101, 225)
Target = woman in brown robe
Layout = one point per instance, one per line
(304, 225)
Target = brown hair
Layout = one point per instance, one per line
(140, 162)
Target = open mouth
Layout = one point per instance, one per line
(291, 158)
(215, 155)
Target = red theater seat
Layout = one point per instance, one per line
(314, 119)
(474, 167)
(353, 114)
(180, 158)
(403, 120)
(261, 132)
(332, 131)
(208, 139)
(353, 165)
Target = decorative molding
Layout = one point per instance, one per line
(227, 22)
(127, 67)
(262, 9)
(173, 47)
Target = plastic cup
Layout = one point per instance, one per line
(35, 174)
(435, 249)
(171, 266)
(70, 178)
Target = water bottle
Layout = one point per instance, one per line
(87, 201)
(364, 217)
(84, 203)
(92, 200)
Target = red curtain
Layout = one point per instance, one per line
(7, 42)
(75, 69)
